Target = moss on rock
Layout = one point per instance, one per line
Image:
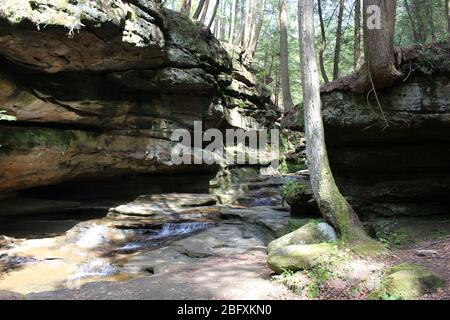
(302, 257)
(407, 282)
(311, 233)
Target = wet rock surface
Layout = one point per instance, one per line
(162, 246)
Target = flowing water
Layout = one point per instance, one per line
(68, 249)
(91, 251)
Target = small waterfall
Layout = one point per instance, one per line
(168, 230)
(95, 268)
(93, 237)
(174, 229)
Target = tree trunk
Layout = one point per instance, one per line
(197, 12)
(246, 27)
(186, 7)
(204, 12)
(357, 46)
(214, 14)
(251, 50)
(337, 50)
(332, 204)
(276, 88)
(379, 69)
(447, 10)
(416, 7)
(233, 22)
(429, 13)
(288, 104)
(323, 71)
(411, 21)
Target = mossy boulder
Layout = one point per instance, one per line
(302, 257)
(311, 233)
(407, 282)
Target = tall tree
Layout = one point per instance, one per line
(417, 9)
(337, 50)
(204, 12)
(284, 58)
(233, 21)
(199, 9)
(214, 14)
(447, 10)
(186, 7)
(379, 69)
(253, 42)
(331, 203)
(357, 46)
(416, 37)
(323, 46)
(428, 4)
(245, 38)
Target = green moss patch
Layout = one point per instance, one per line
(407, 282)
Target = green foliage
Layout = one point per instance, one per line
(291, 190)
(318, 275)
(266, 60)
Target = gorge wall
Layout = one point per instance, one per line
(97, 89)
(402, 168)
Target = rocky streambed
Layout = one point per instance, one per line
(158, 246)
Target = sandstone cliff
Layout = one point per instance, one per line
(400, 166)
(97, 89)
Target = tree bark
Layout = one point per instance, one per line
(429, 13)
(357, 46)
(246, 27)
(197, 12)
(447, 10)
(204, 12)
(416, 7)
(411, 21)
(233, 22)
(288, 103)
(332, 204)
(323, 71)
(186, 7)
(379, 69)
(253, 44)
(214, 14)
(337, 50)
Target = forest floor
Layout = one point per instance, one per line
(437, 262)
(419, 241)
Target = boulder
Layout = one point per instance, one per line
(407, 282)
(311, 233)
(301, 257)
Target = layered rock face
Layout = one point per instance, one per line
(98, 87)
(402, 168)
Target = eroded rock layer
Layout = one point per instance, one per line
(393, 158)
(98, 87)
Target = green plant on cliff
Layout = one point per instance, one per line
(6, 117)
(291, 190)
